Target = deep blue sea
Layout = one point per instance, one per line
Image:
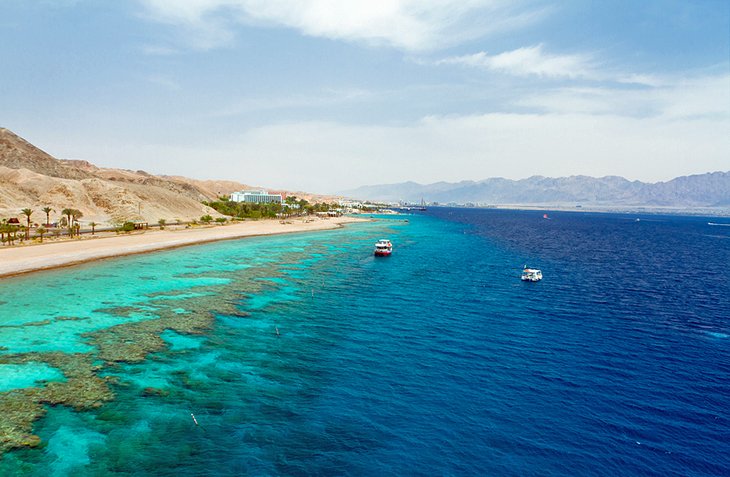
(437, 360)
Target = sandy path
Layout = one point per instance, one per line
(23, 259)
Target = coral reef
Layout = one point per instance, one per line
(83, 389)
(188, 311)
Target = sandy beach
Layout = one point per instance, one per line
(17, 260)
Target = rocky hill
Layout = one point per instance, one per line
(17, 153)
(711, 190)
(32, 178)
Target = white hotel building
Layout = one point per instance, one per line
(256, 197)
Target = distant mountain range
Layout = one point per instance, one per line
(710, 190)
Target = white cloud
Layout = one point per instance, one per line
(411, 25)
(476, 147)
(530, 61)
(674, 98)
(641, 79)
(320, 99)
(646, 133)
(330, 156)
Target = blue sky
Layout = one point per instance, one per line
(326, 95)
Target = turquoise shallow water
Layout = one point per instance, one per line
(437, 360)
(51, 311)
(18, 376)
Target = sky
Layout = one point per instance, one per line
(329, 95)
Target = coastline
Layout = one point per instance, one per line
(646, 210)
(22, 260)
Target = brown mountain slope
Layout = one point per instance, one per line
(17, 153)
(32, 178)
(100, 200)
(211, 188)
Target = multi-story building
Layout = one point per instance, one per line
(256, 197)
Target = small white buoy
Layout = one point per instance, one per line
(277, 330)
(194, 420)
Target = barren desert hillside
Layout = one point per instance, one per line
(32, 178)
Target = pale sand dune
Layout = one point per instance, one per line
(24, 259)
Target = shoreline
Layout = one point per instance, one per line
(23, 260)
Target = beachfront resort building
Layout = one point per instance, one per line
(256, 197)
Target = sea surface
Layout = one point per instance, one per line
(321, 359)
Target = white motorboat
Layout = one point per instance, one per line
(531, 274)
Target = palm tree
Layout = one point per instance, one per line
(162, 223)
(10, 232)
(48, 211)
(41, 231)
(27, 213)
(73, 216)
(68, 213)
(93, 226)
(76, 214)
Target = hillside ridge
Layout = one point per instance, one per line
(32, 178)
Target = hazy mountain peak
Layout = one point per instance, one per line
(697, 190)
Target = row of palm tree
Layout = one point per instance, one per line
(74, 214)
(9, 232)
